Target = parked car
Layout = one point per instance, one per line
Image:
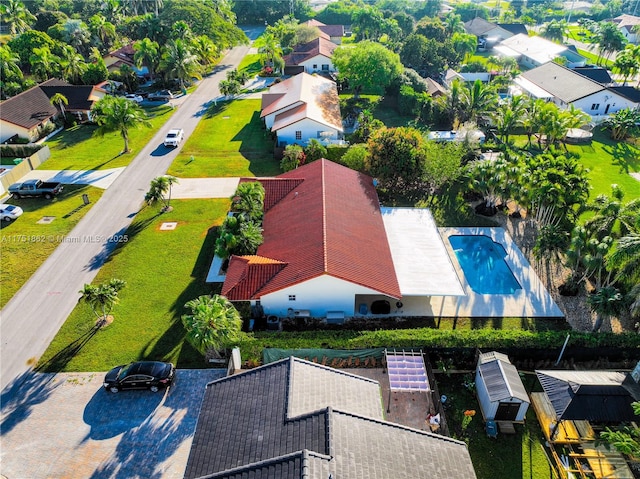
(174, 137)
(9, 212)
(161, 95)
(35, 188)
(134, 97)
(152, 375)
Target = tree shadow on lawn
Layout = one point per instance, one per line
(623, 156)
(216, 108)
(174, 338)
(256, 145)
(113, 247)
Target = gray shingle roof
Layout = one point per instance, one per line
(501, 378)
(245, 430)
(562, 82)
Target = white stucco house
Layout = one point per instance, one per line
(565, 87)
(301, 108)
(311, 57)
(629, 25)
(531, 52)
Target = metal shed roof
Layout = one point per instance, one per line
(501, 378)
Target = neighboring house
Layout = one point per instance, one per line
(301, 108)
(629, 25)
(334, 33)
(577, 6)
(489, 34)
(501, 394)
(434, 88)
(295, 419)
(531, 52)
(312, 57)
(451, 75)
(124, 56)
(28, 113)
(331, 251)
(597, 74)
(565, 87)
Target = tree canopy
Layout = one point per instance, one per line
(368, 66)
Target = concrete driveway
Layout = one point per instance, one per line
(67, 426)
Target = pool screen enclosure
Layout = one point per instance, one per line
(406, 371)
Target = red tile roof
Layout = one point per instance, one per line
(328, 224)
(305, 52)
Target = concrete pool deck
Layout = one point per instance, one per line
(532, 301)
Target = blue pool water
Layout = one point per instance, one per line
(483, 264)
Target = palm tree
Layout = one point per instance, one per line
(248, 201)
(508, 116)
(477, 101)
(72, 65)
(625, 258)
(102, 298)
(146, 54)
(555, 30)
(60, 101)
(531, 118)
(608, 39)
(112, 10)
(77, 34)
(16, 15)
(213, 324)
(612, 216)
(179, 62)
(250, 238)
(606, 302)
(622, 123)
(103, 30)
(118, 114)
(205, 49)
(9, 62)
(626, 63)
(43, 63)
(269, 47)
(159, 187)
(181, 30)
(453, 24)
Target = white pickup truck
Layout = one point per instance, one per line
(174, 137)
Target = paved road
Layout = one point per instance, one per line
(32, 317)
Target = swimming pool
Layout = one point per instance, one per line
(483, 264)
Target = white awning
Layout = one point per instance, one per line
(423, 266)
(531, 88)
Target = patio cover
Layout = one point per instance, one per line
(531, 88)
(423, 266)
(598, 396)
(407, 371)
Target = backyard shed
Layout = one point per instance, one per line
(500, 391)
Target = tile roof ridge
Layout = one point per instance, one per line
(334, 370)
(398, 426)
(504, 376)
(306, 456)
(324, 215)
(246, 372)
(255, 465)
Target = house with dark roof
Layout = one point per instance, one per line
(311, 57)
(28, 113)
(488, 33)
(334, 33)
(295, 419)
(301, 108)
(565, 87)
(597, 74)
(331, 251)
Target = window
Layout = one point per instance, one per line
(315, 67)
(298, 135)
(292, 297)
(595, 106)
(325, 68)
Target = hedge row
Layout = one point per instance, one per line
(252, 345)
(19, 151)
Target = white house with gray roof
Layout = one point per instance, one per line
(564, 87)
(531, 52)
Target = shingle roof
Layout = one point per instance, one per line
(562, 82)
(625, 19)
(597, 74)
(599, 396)
(537, 48)
(31, 107)
(306, 51)
(628, 92)
(515, 28)
(329, 224)
(501, 378)
(311, 96)
(245, 430)
(478, 26)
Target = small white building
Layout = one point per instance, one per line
(531, 52)
(500, 391)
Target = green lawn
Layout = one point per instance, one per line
(27, 244)
(79, 149)
(517, 456)
(251, 64)
(163, 270)
(229, 141)
(595, 59)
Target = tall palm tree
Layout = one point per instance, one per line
(606, 302)
(60, 101)
(612, 216)
(626, 63)
(146, 54)
(9, 62)
(453, 24)
(531, 117)
(625, 258)
(43, 63)
(213, 324)
(269, 47)
(160, 191)
(477, 101)
(103, 30)
(117, 114)
(102, 298)
(555, 30)
(205, 49)
(72, 65)
(16, 15)
(180, 63)
(508, 116)
(622, 123)
(608, 39)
